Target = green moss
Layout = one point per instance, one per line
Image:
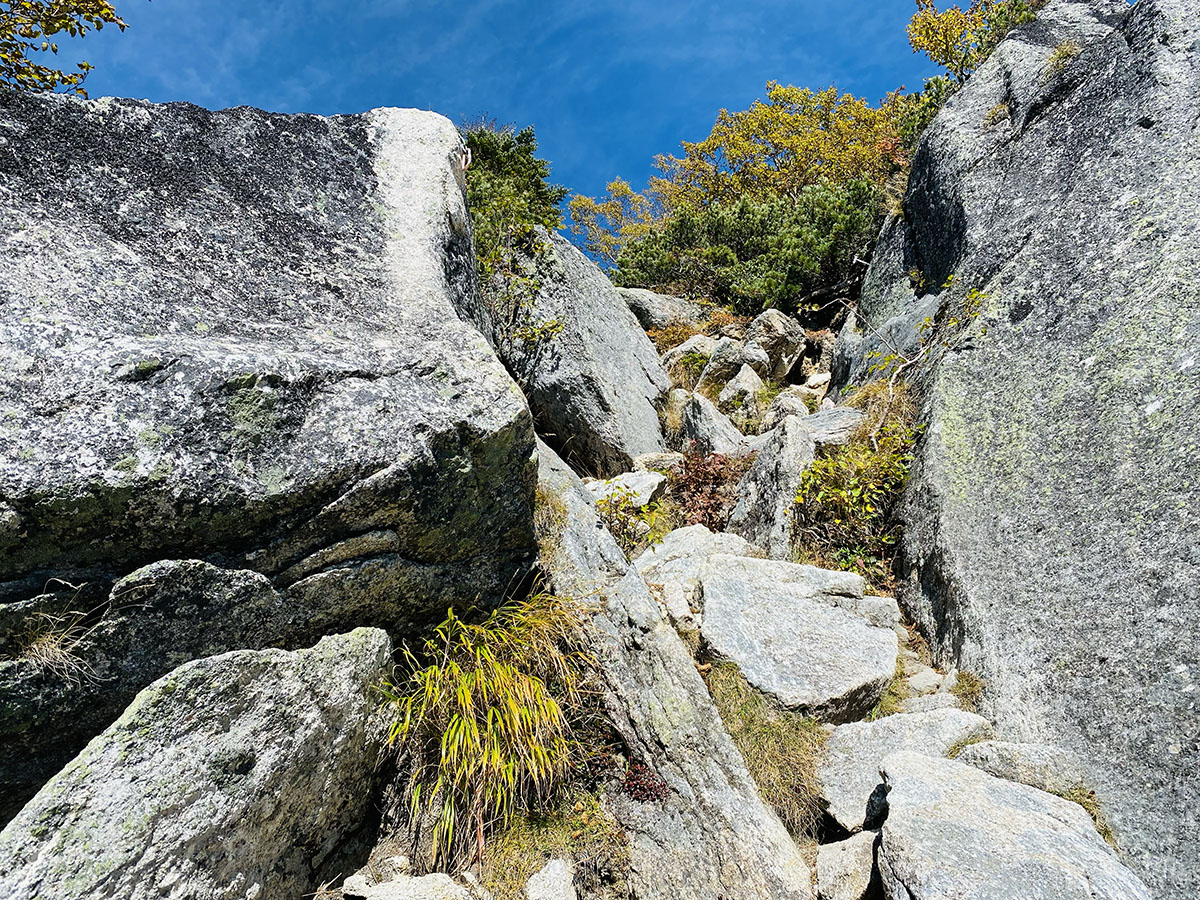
(253, 414)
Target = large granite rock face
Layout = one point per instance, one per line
(1051, 541)
(232, 337)
(592, 386)
(955, 833)
(795, 632)
(247, 774)
(700, 830)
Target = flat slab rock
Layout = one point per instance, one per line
(851, 786)
(796, 634)
(1037, 765)
(241, 774)
(956, 833)
(575, 548)
(674, 564)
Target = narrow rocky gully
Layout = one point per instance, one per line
(895, 604)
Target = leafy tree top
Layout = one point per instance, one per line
(30, 26)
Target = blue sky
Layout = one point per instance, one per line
(606, 84)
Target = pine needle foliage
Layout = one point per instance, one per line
(486, 720)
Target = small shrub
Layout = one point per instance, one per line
(1061, 57)
(703, 488)
(781, 748)
(635, 528)
(579, 828)
(644, 784)
(687, 370)
(845, 507)
(719, 317)
(672, 335)
(486, 720)
(968, 688)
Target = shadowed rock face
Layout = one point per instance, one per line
(246, 774)
(231, 337)
(1051, 539)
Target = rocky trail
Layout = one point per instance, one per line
(259, 429)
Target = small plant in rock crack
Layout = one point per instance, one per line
(644, 784)
(487, 721)
(624, 519)
(845, 506)
(1061, 57)
(53, 642)
(704, 488)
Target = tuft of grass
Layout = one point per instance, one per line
(670, 415)
(549, 520)
(962, 744)
(893, 698)
(580, 828)
(486, 720)
(672, 335)
(52, 642)
(1061, 57)
(997, 114)
(781, 748)
(1086, 797)
(968, 688)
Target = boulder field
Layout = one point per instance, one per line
(258, 429)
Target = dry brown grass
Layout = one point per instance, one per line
(53, 643)
(781, 748)
(581, 830)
